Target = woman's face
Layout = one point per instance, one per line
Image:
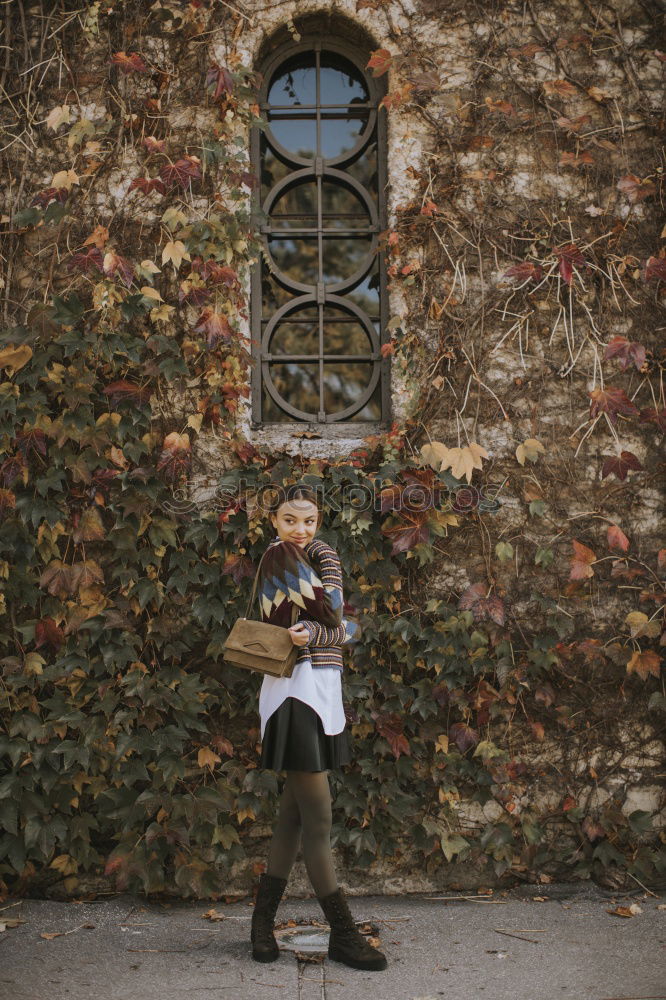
(296, 521)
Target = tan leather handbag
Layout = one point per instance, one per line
(260, 646)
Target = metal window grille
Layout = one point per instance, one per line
(319, 298)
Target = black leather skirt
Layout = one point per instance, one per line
(294, 740)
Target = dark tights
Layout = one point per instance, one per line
(305, 808)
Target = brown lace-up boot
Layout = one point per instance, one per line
(346, 943)
(264, 946)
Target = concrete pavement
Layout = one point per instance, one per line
(508, 946)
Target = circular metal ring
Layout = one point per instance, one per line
(372, 85)
(295, 305)
(293, 180)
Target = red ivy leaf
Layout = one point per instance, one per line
(85, 261)
(612, 402)
(655, 267)
(391, 727)
(114, 262)
(406, 536)
(127, 390)
(569, 256)
(644, 662)
(620, 465)
(583, 557)
(463, 736)
(524, 271)
(482, 607)
(32, 440)
(238, 567)
(182, 172)
(42, 198)
(215, 325)
(650, 415)
(626, 352)
(379, 62)
(217, 274)
(219, 78)
(616, 538)
(48, 633)
(148, 184)
(132, 63)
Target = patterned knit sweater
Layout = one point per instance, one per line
(309, 576)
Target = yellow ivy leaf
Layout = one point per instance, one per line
(173, 217)
(150, 266)
(244, 814)
(530, 448)
(640, 624)
(79, 131)
(33, 663)
(65, 864)
(65, 179)
(161, 314)
(478, 452)
(434, 454)
(442, 743)
(151, 293)
(175, 252)
(195, 421)
(206, 758)
(58, 116)
(15, 357)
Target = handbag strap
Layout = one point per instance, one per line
(294, 607)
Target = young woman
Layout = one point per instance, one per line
(303, 723)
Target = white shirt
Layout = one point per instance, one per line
(320, 688)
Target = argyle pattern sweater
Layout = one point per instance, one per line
(309, 576)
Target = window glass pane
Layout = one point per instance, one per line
(273, 169)
(343, 256)
(295, 133)
(373, 408)
(298, 383)
(341, 131)
(340, 81)
(342, 208)
(297, 258)
(297, 207)
(344, 382)
(294, 337)
(366, 293)
(295, 81)
(364, 168)
(345, 336)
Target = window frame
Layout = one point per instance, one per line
(333, 427)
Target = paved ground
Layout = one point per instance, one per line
(124, 948)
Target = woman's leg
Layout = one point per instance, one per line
(312, 793)
(286, 835)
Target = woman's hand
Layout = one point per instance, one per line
(300, 636)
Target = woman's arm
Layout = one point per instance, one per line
(286, 570)
(320, 635)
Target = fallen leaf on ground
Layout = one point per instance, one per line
(625, 911)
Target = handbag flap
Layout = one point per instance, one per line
(262, 638)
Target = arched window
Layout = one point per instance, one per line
(319, 299)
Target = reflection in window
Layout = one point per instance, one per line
(318, 303)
